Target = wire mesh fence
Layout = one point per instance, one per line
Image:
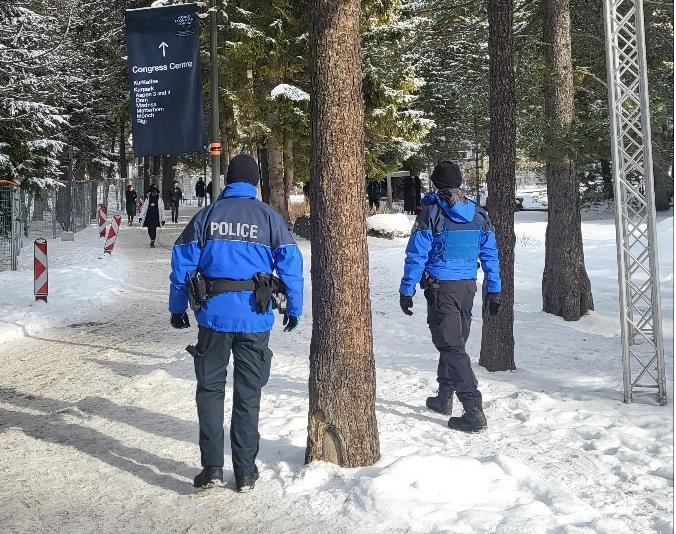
(71, 207)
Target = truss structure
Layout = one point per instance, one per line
(635, 222)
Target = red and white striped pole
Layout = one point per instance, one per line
(111, 237)
(102, 215)
(40, 277)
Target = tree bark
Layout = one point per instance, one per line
(497, 338)
(607, 175)
(664, 183)
(288, 169)
(566, 290)
(155, 171)
(168, 175)
(342, 426)
(276, 168)
(146, 174)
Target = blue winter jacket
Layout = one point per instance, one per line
(235, 238)
(447, 240)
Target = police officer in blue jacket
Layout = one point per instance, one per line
(450, 235)
(231, 242)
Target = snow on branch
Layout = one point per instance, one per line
(291, 92)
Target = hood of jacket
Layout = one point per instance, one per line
(461, 210)
(239, 190)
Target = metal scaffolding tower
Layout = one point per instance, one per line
(640, 311)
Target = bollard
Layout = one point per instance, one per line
(40, 277)
(113, 230)
(102, 216)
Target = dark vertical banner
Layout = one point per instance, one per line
(165, 81)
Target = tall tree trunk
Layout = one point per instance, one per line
(342, 425)
(276, 168)
(228, 149)
(123, 150)
(497, 338)
(155, 171)
(265, 175)
(607, 175)
(288, 169)
(146, 174)
(566, 290)
(168, 175)
(664, 183)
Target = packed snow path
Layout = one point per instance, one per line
(99, 434)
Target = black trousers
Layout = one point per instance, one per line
(152, 232)
(449, 316)
(174, 212)
(252, 359)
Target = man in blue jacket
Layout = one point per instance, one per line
(450, 235)
(231, 243)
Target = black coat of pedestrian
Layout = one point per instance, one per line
(210, 191)
(131, 197)
(200, 188)
(175, 195)
(410, 197)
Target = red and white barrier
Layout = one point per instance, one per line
(40, 278)
(102, 216)
(111, 236)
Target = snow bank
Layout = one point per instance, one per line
(291, 92)
(389, 225)
(79, 285)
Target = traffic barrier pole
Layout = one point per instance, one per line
(40, 277)
(111, 236)
(102, 215)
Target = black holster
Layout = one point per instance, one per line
(430, 286)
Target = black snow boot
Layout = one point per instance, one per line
(472, 421)
(442, 403)
(247, 482)
(152, 244)
(209, 477)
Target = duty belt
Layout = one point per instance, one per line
(266, 287)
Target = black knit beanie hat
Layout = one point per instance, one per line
(243, 168)
(447, 175)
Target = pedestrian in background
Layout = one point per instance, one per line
(152, 213)
(200, 192)
(131, 197)
(175, 196)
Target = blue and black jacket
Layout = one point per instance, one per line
(235, 238)
(447, 240)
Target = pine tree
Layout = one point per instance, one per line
(342, 425)
(566, 289)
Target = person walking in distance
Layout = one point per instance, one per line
(175, 196)
(200, 192)
(130, 204)
(450, 235)
(232, 248)
(152, 213)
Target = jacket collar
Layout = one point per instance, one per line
(238, 190)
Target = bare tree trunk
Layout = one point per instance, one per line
(342, 426)
(146, 174)
(155, 171)
(566, 290)
(288, 169)
(276, 169)
(497, 339)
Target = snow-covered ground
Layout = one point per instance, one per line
(98, 428)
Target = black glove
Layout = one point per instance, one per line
(164, 222)
(290, 322)
(180, 320)
(406, 303)
(492, 303)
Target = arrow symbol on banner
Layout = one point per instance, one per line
(164, 47)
